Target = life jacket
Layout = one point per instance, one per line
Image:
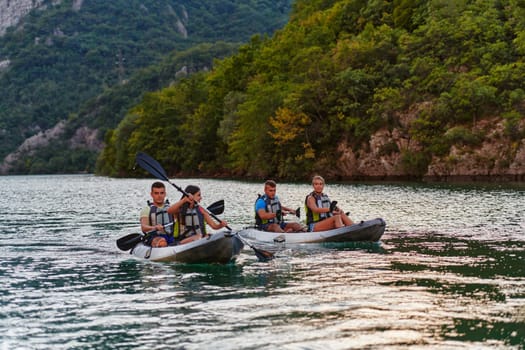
(190, 222)
(321, 201)
(160, 216)
(271, 206)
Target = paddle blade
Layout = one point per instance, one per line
(216, 208)
(151, 166)
(263, 255)
(129, 241)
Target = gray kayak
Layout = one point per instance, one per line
(220, 247)
(366, 231)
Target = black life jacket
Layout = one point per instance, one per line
(271, 206)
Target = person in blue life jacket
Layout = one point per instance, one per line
(269, 212)
(191, 218)
(155, 221)
(321, 213)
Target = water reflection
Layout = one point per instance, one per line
(481, 331)
(482, 279)
(483, 259)
(448, 273)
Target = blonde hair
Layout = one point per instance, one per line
(318, 177)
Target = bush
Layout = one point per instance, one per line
(415, 163)
(463, 136)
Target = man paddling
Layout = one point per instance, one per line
(155, 217)
(269, 212)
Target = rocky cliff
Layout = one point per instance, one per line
(495, 157)
(12, 11)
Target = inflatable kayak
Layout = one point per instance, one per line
(368, 231)
(220, 247)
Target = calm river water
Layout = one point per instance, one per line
(449, 272)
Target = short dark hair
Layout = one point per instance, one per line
(157, 184)
(270, 183)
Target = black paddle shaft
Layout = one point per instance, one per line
(149, 164)
(154, 168)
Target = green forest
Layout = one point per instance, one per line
(339, 71)
(89, 66)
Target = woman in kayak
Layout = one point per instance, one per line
(321, 213)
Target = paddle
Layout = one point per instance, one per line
(129, 241)
(154, 168)
(262, 255)
(216, 208)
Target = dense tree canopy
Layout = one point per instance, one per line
(340, 70)
(61, 57)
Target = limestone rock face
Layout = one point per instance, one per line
(12, 11)
(496, 156)
(33, 143)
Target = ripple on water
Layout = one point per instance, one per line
(449, 273)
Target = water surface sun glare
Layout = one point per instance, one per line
(449, 272)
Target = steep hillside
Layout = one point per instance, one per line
(66, 53)
(351, 89)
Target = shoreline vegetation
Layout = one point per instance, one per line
(485, 182)
(424, 90)
(518, 180)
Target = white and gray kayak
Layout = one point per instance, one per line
(220, 247)
(367, 231)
